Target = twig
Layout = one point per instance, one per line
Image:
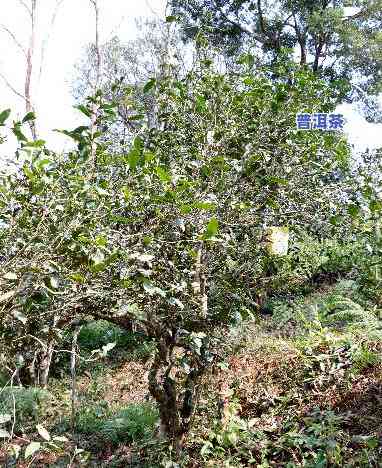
(73, 374)
(26, 7)
(46, 40)
(14, 39)
(11, 87)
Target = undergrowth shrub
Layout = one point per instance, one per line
(341, 308)
(132, 423)
(363, 358)
(89, 418)
(3, 380)
(296, 418)
(135, 422)
(310, 260)
(30, 404)
(316, 440)
(99, 333)
(96, 336)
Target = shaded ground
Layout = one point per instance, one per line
(280, 399)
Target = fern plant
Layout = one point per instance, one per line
(135, 422)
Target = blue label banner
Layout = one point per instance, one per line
(320, 121)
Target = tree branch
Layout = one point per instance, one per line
(94, 112)
(356, 15)
(261, 17)
(11, 87)
(125, 322)
(26, 7)
(301, 41)
(46, 40)
(14, 39)
(29, 69)
(240, 26)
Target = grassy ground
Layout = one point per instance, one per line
(299, 388)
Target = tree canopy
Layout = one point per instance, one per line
(334, 38)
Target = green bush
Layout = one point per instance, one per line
(90, 419)
(3, 380)
(30, 403)
(341, 308)
(310, 257)
(363, 358)
(135, 422)
(99, 333)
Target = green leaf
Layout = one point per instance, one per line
(375, 205)
(133, 309)
(149, 85)
(153, 290)
(18, 133)
(101, 241)
(108, 347)
(4, 434)
(171, 19)
(133, 158)
(207, 448)
(211, 229)
(19, 316)
(28, 172)
(4, 418)
(335, 220)
(77, 277)
(185, 209)
(136, 117)
(60, 439)
(76, 134)
(353, 210)
(4, 115)
(138, 143)
(43, 432)
(201, 104)
(163, 175)
(149, 156)
(40, 164)
(84, 110)
(10, 276)
(120, 219)
(80, 129)
(207, 206)
(32, 448)
(372, 442)
(246, 59)
(35, 144)
(126, 192)
(28, 117)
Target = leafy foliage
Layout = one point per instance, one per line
(167, 238)
(130, 424)
(30, 404)
(338, 40)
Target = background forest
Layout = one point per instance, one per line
(148, 317)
